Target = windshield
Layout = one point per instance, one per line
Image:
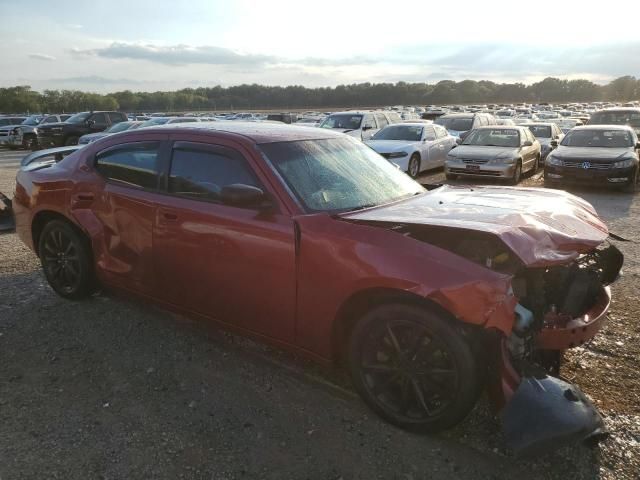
(494, 137)
(598, 138)
(78, 117)
(118, 127)
(540, 131)
(154, 121)
(342, 120)
(338, 174)
(32, 120)
(407, 133)
(457, 124)
(631, 118)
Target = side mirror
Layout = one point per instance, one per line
(528, 143)
(554, 143)
(241, 195)
(458, 140)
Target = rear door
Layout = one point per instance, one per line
(234, 264)
(123, 204)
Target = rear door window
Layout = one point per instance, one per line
(369, 122)
(200, 172)
(382, 120)
(132, 164)
(99, 119)
(116, 117)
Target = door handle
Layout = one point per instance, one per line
(82, 199)
(169, 216)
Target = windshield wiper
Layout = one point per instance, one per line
(363, 207)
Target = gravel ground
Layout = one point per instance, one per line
(113, 389)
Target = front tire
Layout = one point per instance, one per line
(413, 169)
(71, 141)
(413, 367)
(632, 186)
(517, 174)
(28, 142)
(66, 260)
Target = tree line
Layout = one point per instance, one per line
(22, 99)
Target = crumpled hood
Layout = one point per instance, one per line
(541, 226)
(586, 153)
(388, 146)
(483, 153)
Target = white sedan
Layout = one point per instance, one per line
(414, 147)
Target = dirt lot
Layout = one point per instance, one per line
(111, 389)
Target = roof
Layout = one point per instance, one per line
(604, 127)
(537, 124)
(620, 109)
(504, 127)
(459, 115)
(258, 132)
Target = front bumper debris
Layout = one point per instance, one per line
(546, 413)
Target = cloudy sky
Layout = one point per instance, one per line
(113, 45)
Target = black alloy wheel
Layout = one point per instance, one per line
(413, 368)
(28, 142)
(66, 260)
(414, 166)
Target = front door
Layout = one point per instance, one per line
(234, 264)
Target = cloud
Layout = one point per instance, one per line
(41, 56)
(177, 54)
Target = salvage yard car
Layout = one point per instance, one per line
(24, 135)
(499, 152)
(545, 133)
(361, 125)
(595, 154)
(69, 131)
(414, 147)
(428, 297)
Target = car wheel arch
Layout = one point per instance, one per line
(43, 217)
(359, 303)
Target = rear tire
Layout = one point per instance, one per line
(67, 261)
(413, 367)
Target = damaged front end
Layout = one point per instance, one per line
(554, 308)
(559, 307)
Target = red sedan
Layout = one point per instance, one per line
(312, 241)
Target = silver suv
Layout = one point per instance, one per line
(360, 124)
